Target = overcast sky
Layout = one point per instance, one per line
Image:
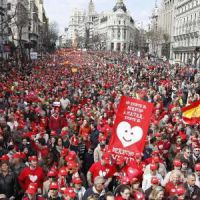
(60, 10)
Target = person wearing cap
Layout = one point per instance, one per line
(185, 156)
(146, 182)
(17, 164)
(154, 183)
(8, 181)
(197, 174)
(31, 193)
(51, 177)
(101, 168)
(85, 129)
(177, 167)
(31, 174)
(69, 193)
(55, 121)
(98, 189)
(53, 192)
(78, 188)
(175, 181)
(161, 167)
(99, 150)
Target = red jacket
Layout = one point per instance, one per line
(28, 176)
(55, 123)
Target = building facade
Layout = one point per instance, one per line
(186, 35)
(166, 23)
(113, 31)
(24, 23)
(117, 28)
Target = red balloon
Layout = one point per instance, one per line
(139, 196)
(132, 172)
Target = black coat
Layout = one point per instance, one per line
(8, 184)
(195, 195)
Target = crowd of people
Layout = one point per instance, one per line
(56, 121)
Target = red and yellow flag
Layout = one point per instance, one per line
(191, 113)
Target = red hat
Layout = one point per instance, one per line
(64, 152)
(106, 157)
(138, 155)
(4, 158)
(134, 180)
(63, 171)
(132, 173)
(120, 160)
(64, 133)
(72, 164)
(32, 158)
(52, 173)
(69, 191)
(155, 181)
(156, 152)
(70, 156)
(153, 166)
(197, 167)
(177, 163)
(124, 180)
(139, 196)
(32, 188)
(155, 159)
(17, 155)
(158, 135)
(180, 190)
(53, 133)
(53, 186)
(77, 180)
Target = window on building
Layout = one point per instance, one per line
(113, 33)
(112, 46)
(118, 34)
(9, 6)
(119, 22)
(118, 46)
(125, 34)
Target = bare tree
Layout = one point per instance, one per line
(51, 37)
(21, 21)
(99, 41)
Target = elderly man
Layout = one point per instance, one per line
(98, 189)
(192, 191)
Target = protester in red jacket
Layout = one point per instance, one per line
(31, 174)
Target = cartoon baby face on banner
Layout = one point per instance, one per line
(130, 127)
(128, 135)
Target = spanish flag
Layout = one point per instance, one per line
(191, 113)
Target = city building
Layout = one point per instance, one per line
(116, 29)
(112, 30)
(186, 34)
(154, 35)
(23, 27)
(166, 23)
(4, 48)
(76, 26)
